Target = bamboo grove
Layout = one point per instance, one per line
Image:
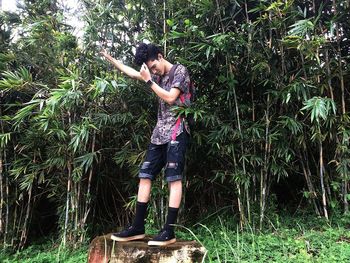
(272, 82)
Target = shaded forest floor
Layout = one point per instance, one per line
(297, 238)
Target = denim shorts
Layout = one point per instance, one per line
(171, 155)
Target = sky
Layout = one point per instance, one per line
(73, 17)
(9, 5)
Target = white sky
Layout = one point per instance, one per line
(73, 17)
(9, 5)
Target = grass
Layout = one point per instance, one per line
(285, 239)
(301, 239)
(46, 253)
(284, 245)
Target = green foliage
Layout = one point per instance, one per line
(319, 108)
(290, 239)
(300, 238)
(272, 106)
(47, 252)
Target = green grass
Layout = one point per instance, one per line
(294, 240)
(46, 253)
(286, 239)
(284, 245)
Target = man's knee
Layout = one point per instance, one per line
(145, 181)
(175, 185)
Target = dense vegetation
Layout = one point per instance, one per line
(272, 122)
(294, 240)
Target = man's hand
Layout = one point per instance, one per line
(144, 72)
(103, 52)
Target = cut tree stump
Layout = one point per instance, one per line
(104, 250)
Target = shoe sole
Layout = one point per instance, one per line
(161, 243)
(125, 239)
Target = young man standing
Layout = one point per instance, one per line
(171, 83)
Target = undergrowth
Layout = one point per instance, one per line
(285, 239)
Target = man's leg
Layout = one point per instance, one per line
(175, 194)
(142, 203)
(173, 173)
(151, 166)
(174, 204)
(144, 190)
(167, 235)
(137, 228)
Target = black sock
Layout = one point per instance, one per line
(141, 213)
(171, 218)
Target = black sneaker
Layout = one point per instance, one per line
(164, 238)
(128, 234)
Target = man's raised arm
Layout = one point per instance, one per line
(132, 73)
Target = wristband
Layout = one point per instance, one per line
(149, 82)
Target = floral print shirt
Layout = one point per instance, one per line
(167, 118)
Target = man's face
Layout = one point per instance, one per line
(156, 66)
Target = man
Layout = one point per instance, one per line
(171, 83)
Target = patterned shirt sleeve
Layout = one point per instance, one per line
(180, 79)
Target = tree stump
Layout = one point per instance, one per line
(104, 250)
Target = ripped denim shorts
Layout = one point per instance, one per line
(171, 155)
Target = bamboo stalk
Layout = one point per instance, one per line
(303, 65)
(329, 75)
(17, 226)
(156, 214)
(241, 144)
(13, 226)
(307, 175)
(3, 188)
(239, 197)
(67, 204)
(254, 144)
(7, 216)
(7, 202)
(324, 201)
(342, 86)
(77, 212)
(262, 196)
(72, 212)
(94, 206)
(88, 198)
(182, 215)
(24, 234)
(264, 172)
(219, 15)
(246, 12)
(240, 209)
